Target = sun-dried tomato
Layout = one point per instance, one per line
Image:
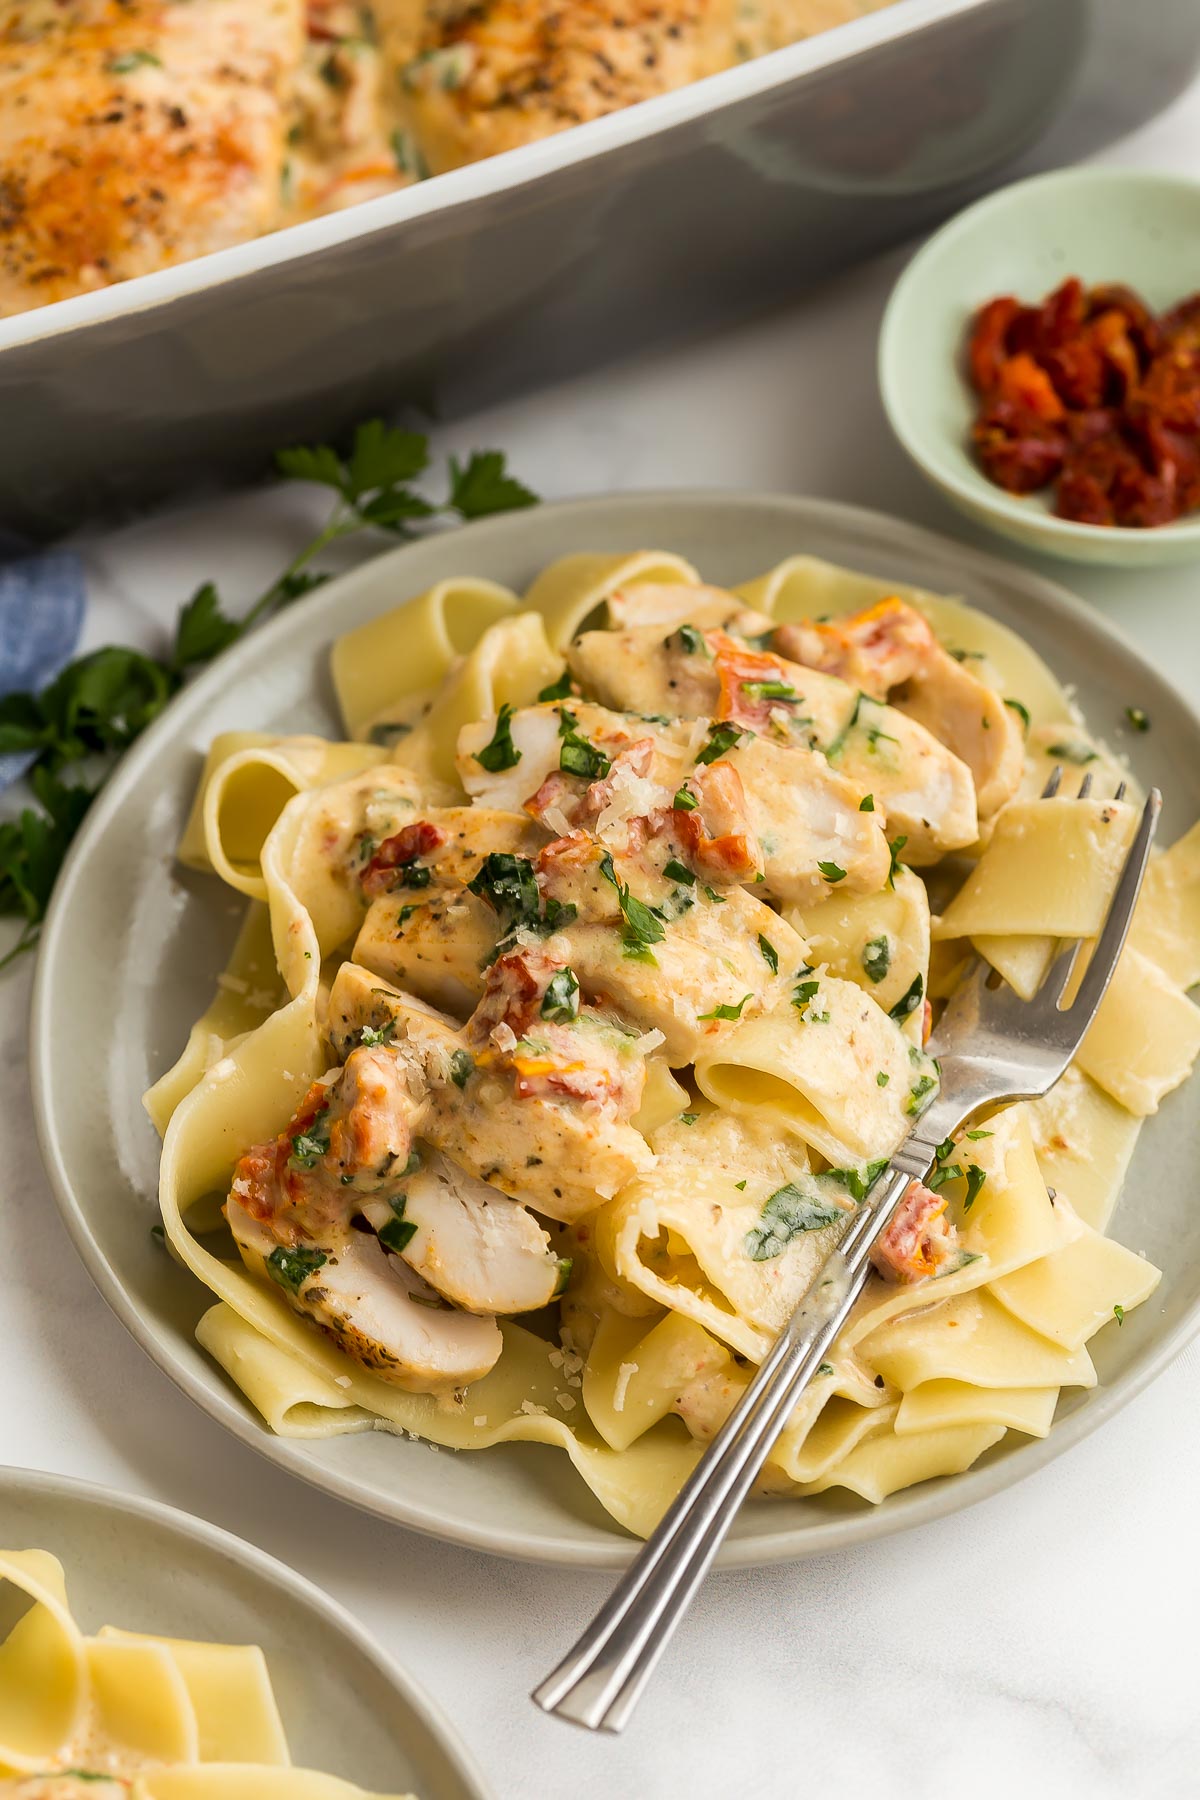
(1090, 391)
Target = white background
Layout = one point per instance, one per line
(1042, 1643)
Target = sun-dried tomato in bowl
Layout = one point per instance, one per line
(1095, 393)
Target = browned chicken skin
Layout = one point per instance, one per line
(136, 134)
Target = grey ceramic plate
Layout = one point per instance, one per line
(146, 1567)
(132, 947)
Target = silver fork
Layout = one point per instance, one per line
(991, 1047)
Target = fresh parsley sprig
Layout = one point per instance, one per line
(100, 703)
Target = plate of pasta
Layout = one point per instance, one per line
(145, 1655)
(519, 962)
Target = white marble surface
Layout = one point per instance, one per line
(1040, 1644)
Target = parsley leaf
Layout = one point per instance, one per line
(832, 871)
(1138, 717)
(691, 640)
(727, 1011)
(462, 1067)
(501, 753)
(557, 690)
(867, 803)
(642, 927)
(769, 953)
(100, 703)
(398, 1233)
(684, 801)
(1072, 752)
(877, 958)
(482, 486)
(576, 756)
(909, 1000)
(720, 739)
(1119, 1314)
(895, 847)
(787, 1213)
(674, 870)
(1021, 710)
(292, 1268)
(560, 1002)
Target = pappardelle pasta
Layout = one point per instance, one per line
(128, 1716)
(584, 989)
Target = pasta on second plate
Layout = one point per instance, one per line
(127, 1716)
(584, 988)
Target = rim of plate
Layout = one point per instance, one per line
(25, 1483)
(927, 450)
(910, 1507)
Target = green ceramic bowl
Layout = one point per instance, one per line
(1102, 224)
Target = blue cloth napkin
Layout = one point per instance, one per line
(42, 600)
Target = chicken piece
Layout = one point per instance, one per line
(477, 1248)
(134, 135)
(670, 604)
(293, 1208)
(491, 74)
(718, 962)
(577, 763)
(919, 1240)
(891, 653)
(809, 821)
(426, 930)
(919, 788)
(544, 1105)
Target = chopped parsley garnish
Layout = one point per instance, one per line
(509, 886)
(405, 914)
(867, 803)
(565, 1265)
(1138, 718)
(413, 875)
(308, 1147)
(691, 640)
(788, 1213)
(501, 753)
(977, 1134)
(770, 690)
(292, 1268)
(877, 958)
(712, 894)
(1073, 752)
(369, 1037)
(769, 953)
(688, 1118)
(131, 60)
(557, 690)
(462, 1067)
(919, 1095)
(804, 992)
(832, 871)
(560, 1002)
(975, 1180)
(399, 1232)
(937, 1178)
(642, 927)
(824, 1368)
(1021, 710)
(727, 1011)
(1119, 1314)
(895, 846)
(684, 801)
(882, 1078)
(741, 1185)
(677, 871)
(720, 739)
(858, 1182)
(576, 756)
(909, 1000)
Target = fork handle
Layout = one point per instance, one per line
(599, 1681)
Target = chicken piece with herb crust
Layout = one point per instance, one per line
(491, 74)
(135, 134)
